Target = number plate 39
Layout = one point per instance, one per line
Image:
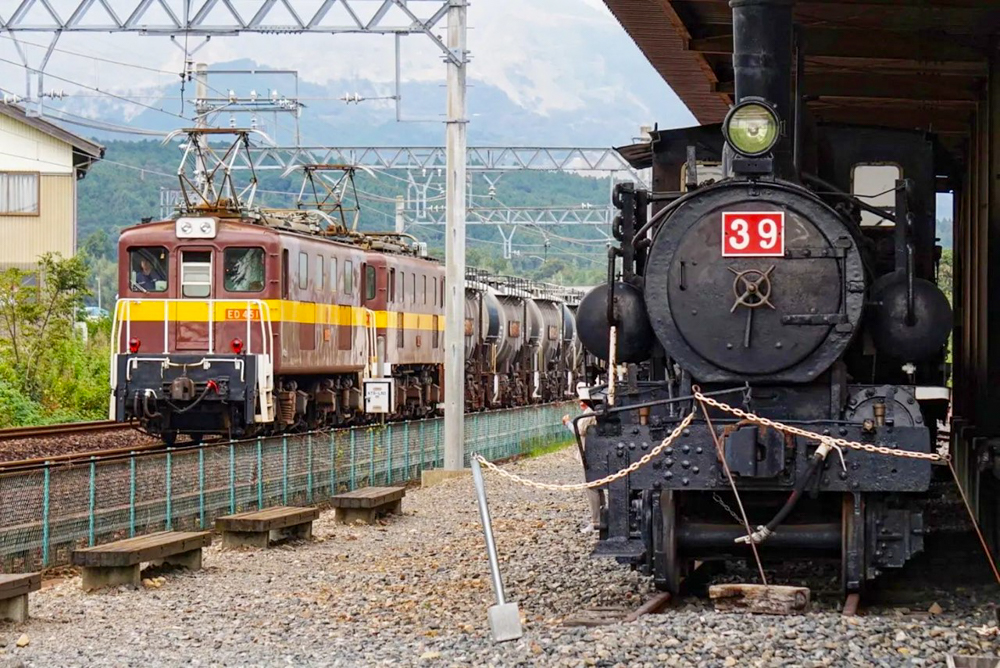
(753, 234)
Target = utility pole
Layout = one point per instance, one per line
(454, 309)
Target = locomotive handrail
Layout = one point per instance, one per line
(123, 317)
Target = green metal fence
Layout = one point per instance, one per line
(47, 512)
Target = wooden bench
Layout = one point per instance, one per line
(257, 528)
(14, 590)
(120, 562)
(368, 503)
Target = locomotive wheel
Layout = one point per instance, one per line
(666, 561)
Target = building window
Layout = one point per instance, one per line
(18, 194)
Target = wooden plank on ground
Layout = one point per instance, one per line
(759, 599)
(271, 519)
(141, 549)
(368, 497)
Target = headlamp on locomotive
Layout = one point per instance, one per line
(767, 288)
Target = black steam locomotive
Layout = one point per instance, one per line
(785, 268)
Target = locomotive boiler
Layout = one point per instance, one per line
(796, 285)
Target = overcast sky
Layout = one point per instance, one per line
(551, 55)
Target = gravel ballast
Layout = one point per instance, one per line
(414, 591)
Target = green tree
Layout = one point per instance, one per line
(36, 317)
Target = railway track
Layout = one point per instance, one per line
(61, 429)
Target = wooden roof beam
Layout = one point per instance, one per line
(914, 47)
(859, 85)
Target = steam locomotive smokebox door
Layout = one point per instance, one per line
(751, 454)
(766, 286)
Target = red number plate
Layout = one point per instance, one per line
(753, 234)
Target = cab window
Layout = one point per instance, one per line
(244, 269)
(303, 271)
(320, 275)
(196, 273)
(875, 184)
(148, 269)
(369, 283)
(348, 277)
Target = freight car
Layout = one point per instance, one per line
(285, 320)
(796, 285)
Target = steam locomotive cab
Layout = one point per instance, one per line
(797, 288)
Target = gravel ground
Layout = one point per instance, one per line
(16, 449)
(414, 591)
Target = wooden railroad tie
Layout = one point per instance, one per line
(120, 562)
(14, 590)
(368, 503)
(259, 527)
(759, 599)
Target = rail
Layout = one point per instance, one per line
(39, 431)
(51, 509)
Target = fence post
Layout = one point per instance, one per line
(388, 460)
(333, 464)
(284, 470)
(309, 468)
(437, 442)
(170, 509)
(91, 520)
(260, 474)
(354, 464)
(420, 439)
(201, 487)
(45, 515)
(371, 457)
(131, 496)
(406, 450)
(232, 477)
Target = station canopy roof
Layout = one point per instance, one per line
(915, 64)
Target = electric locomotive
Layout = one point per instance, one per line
(788, 272)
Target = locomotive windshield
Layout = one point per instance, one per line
(244, 269)
(148, 269)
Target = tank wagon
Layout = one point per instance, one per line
(787, 270)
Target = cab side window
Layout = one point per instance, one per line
(349, 277)
(147, 269)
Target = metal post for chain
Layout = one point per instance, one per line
(131, 496)
(232, 477)
(91, 520)
(504, 618)
(201, 487)
(309, 467)
(170, 510)
(284, 471)
(45, 514)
